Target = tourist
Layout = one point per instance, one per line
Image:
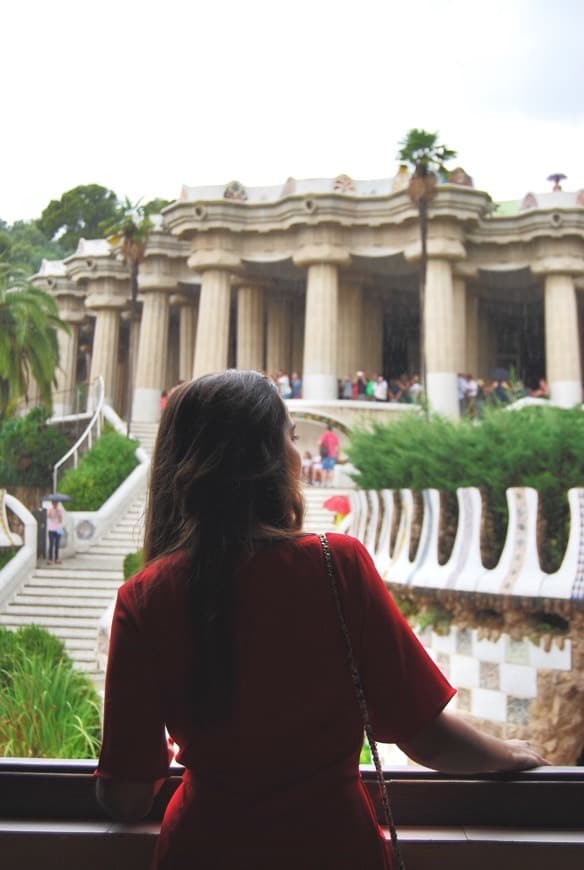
(230, 638)
(328, 445)
(462, 385)
(296, 384)
(370, 387)
(284, 387)
(395, 392)
(380, 389)
(347, 391)
(306, 469)
(415, 389)
(470, 400)
(361, 385)
(55, 530)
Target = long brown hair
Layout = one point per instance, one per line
(222, 480)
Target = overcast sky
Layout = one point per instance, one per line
(143, 97)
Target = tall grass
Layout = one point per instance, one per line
(47, 709)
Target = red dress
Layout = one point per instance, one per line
(278, 785)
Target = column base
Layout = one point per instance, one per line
(442, 392)
(319, 387)
(566, 394)
(146, 405)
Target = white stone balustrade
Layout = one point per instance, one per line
(518, 571)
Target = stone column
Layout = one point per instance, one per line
(562, 342)
(150, 377)
(104, 355)
(212, 342)
(349, 346)
(297, 336)
(459, 314)
(63, 400)
(250, 328)
(439, 329)
(278, 338)
(320, 332)
(187, 330)
(472, 336)
(321, 252)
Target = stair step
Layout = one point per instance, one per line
(48, 622)
(31, 602)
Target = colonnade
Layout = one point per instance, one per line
(322, 316)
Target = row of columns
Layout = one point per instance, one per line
(340, 332)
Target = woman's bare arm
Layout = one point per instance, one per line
(127, 801)
(452, 745)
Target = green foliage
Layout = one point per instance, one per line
(540, 447)
(79, 213)
(6, 554)
(47, 709)
(100, 471)
(133, 563)
(421, 151)
(29, 449)
(24, 245)
(29, 349)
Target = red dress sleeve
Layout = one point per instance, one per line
(134, 745)
(403, 687)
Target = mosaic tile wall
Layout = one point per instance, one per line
(496, 680)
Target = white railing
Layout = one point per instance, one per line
(85, 441)
(23, 562)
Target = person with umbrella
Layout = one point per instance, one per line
(55, 529)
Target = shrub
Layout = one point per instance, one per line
(6, 554)
(541, 447)
(101, 470)
(29, 449)
(133, 563)
(47, 709)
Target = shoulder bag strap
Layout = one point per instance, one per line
(358, 686)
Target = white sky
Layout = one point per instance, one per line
(144, 96)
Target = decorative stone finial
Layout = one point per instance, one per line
(401, 179)
(529, 201)
(343, 184)
(235, 190)
(289, 186)
(459, 176)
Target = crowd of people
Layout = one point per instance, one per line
(475, 393)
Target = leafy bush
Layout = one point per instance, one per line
(100, 471)
(539, 446)
(47, 709)
(133, 563)
(6, 554)
(29, 449)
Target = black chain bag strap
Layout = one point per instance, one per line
(357, 685)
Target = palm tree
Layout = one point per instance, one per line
(423, 154)
(128, 234)
(29, 350)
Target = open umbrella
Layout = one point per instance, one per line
(56, 496)
(339, 504)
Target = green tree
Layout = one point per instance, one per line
(423, 154)
(80, 212)
(29, 349)
(128, 234)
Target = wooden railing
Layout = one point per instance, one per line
(49, 819)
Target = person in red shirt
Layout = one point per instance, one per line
(229, 639)
(328, 445)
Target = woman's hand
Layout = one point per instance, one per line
(451, 745)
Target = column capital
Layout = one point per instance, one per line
(321, 245)
(440, 248)
(558, 257)
(107, 292)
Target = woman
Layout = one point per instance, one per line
(55, 530)
(229, 638)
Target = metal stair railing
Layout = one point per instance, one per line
(86, 439)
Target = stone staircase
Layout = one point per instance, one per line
(317, 518)
(69, 599)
